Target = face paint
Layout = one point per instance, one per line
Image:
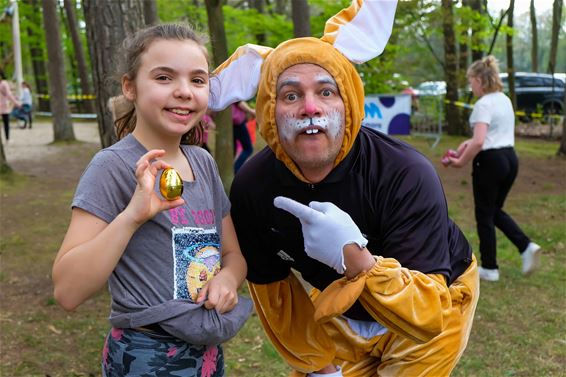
(290, 126)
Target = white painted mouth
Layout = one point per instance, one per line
(290, 126)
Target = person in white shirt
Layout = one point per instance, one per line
(495, 167)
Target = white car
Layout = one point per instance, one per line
(431, 88)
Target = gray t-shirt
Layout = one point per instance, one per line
(171, 256)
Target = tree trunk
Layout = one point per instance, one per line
(260, 37)
(37, 58)
(108, 23)
(4, 167)
(280, 6)
(510, 62)
(79, 54)
(223, 152)
(477, 30)
(452, 118)
(496, 29)
(301, 18)
(534, 38)
(463, 62)
(150, 12)
(463, 52)
(73, 86)
(556, 18)
(62, 124)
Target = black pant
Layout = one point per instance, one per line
(494, 172)
(243, 136)
(6, 121)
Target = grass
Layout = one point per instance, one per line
(519, 328)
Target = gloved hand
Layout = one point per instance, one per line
(326, 229)
(338, 373)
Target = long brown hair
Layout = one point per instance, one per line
(133, 48)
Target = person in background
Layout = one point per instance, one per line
(208, 125)
(240, 113)
(24, 112)
(494, 168)
(174, 266)
(6, 97)
(414, 98)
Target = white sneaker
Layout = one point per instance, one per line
(488, 274)
(531, 258)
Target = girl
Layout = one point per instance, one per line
(167, 263)
(24, 112)
(495, 167)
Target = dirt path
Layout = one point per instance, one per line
(32, 145)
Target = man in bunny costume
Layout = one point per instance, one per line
(361, 216)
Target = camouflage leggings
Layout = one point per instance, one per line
(129, 352)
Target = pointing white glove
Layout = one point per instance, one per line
(338, 373)
(326, 230)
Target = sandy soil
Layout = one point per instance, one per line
(34, 143)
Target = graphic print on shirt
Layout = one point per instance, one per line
(196, 256)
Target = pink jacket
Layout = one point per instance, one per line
(6, 97)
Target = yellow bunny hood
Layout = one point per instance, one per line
(314, 51)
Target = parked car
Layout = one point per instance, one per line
(431, 88)
(537, 92)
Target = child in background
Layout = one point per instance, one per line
(173, 266)
(24, 112)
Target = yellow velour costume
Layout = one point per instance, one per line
(428, 322)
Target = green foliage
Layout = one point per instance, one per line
(243, 26)
(321, 11)
(6, 61)
(413, 55)
(416, 22)
(522, 42)
(182, 11)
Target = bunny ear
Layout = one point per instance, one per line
(361, 31)
(237, 78)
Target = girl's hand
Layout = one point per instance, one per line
(462, 147)
(220, 293)
(145, 202)
(458, 162)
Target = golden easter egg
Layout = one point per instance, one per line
(170, 184)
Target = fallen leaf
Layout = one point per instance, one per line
(54, 329)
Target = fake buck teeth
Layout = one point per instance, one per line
(311, 131)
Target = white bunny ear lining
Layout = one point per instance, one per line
(237, 78)
(360, 32)
(364, 37)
